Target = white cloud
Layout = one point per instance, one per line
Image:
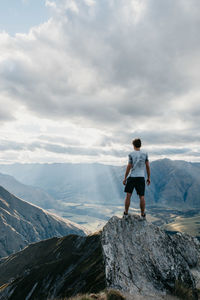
(51, 4)
(123, 68)
(90, 2)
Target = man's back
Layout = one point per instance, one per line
(138, 159)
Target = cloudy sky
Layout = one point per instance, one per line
(80, 79)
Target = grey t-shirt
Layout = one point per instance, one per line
(137, 159)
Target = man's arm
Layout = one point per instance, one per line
(148, 172)
(128, 168)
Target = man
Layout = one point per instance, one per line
(137, 162)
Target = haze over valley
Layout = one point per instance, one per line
(89, 194)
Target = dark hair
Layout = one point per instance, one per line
(137, 143)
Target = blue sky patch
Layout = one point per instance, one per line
(18, 16)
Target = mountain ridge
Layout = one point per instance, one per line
(50, 259)
(28, 193)
(22, 223)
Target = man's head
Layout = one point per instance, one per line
(137, 143)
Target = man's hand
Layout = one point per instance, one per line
(148, 181)
(128, 168)
(124, 181)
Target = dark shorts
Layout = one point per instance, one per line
(135, 182)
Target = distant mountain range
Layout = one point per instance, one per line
(63, 267)
(28, 193)
(22, 223)
(70, 182)
(173, 183)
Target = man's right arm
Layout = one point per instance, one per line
(148, 172)
(128, 168)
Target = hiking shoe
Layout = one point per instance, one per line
(125, 215)
(143, 216)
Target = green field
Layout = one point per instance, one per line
(187, 225)
(187, 221)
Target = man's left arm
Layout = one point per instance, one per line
(148, 172)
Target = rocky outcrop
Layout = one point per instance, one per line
(140, 258)
(130, 255)
(22, 223)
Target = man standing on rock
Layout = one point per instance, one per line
(136, 166)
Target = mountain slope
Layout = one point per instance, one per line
(28, 193)
(59, 266)
(131, 255)
(175, 184)
(22, 223)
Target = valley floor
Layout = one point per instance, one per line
(94, 216)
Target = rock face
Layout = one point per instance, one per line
(22, 223)
(130, 255)
(140, 258)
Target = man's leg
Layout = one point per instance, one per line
(142, 205)
(127, 202)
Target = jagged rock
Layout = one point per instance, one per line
(140, 258)
(130, 255)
